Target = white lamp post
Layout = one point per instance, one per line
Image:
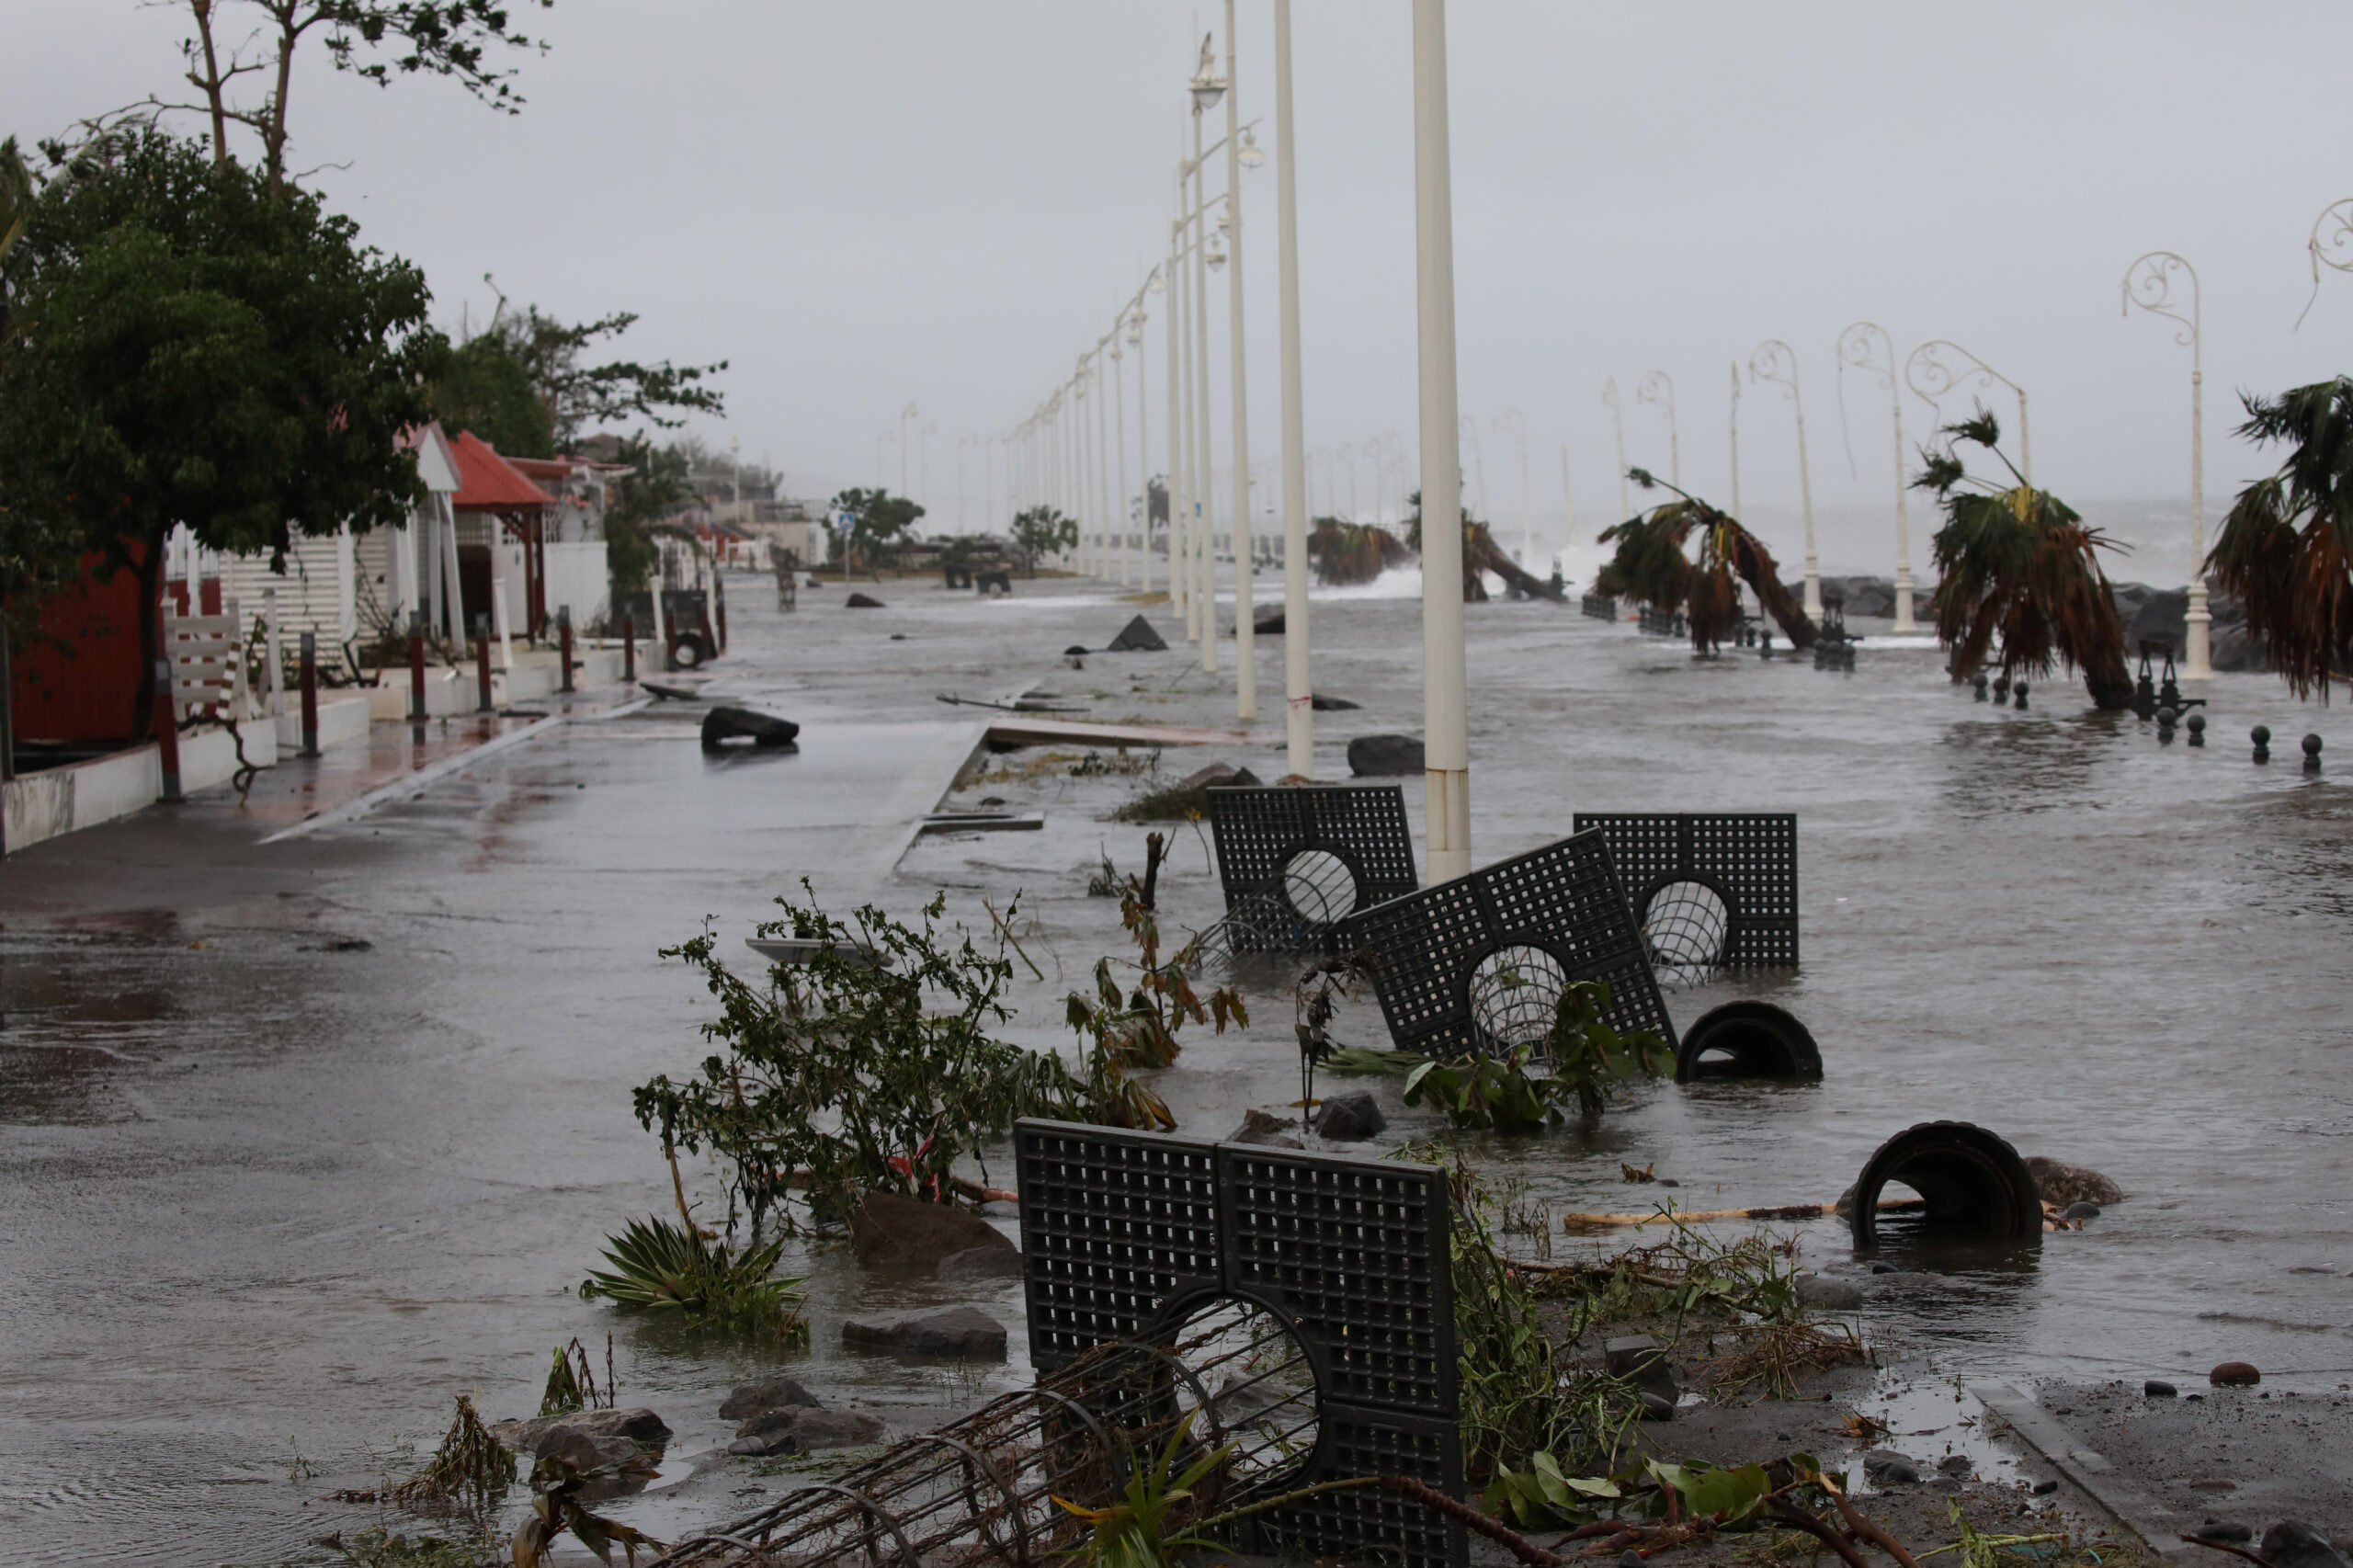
(1297, 689)
(1205, 86)
(1143, 453)
(1777, 362)
(1245, 665)
(1445, 697)
(1735, 441)
(1658, 387)
(906, 416)
(1569, 500)
(1516, 423)
(1939, 366)
(1860, 346)
(1120, 440)
(2148, 283)
(1618, 420)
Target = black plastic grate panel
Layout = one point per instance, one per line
(1259, 831)
(1369, 1525)
(1112, 1224)
(1357, 1250)
(1564, 899)
(1748, 858)
(1355, 1254)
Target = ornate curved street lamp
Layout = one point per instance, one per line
(1940, 365)
(2331, 242)
(1618, 416)
(2149, 283)
(1657, 386)
(1776, 363)
(1860, 346)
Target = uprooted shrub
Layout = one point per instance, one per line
(1133, 1026)
(869, 1068)
(665, 1267)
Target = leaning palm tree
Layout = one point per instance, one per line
(2018, 562)
(1344, 553)
(1650, 565)
(2285, 547)
(1480, 555)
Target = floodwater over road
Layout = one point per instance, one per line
(298, 1142)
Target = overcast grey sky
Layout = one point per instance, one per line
(861, 205)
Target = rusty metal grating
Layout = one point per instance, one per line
(1673, 863)
(1564, 901)
(1297, 860)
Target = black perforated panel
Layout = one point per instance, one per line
(1353, 1253)
(1112, 1224)
(1748, 858)
(1260, 832)
(1564, 899)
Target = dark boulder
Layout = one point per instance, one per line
(1138, 637)
(803, 1430)
(2289, 1544)
(1258, 1127)
(584, 1452)
(1268, 622)
(722, 725)
(770, 1394)
(1347, 1118)
(639, 1424)
(2234, 1375)
(891, 1231)
(1641, 1361)
(981, 1263)
(1322, 704)
(950, 1331)
(1220, 776)
(1385, 757)
(861, 601)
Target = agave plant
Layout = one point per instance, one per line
(657, 1265)
(2020, 564)
(2286, 543)
(1650, 565)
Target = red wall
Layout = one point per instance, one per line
(87, 696)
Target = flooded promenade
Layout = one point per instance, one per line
(298, 1140)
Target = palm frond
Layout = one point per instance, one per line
(2284, 547)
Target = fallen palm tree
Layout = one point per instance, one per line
(1480, 555)
(1347, 555)
(1651, 565)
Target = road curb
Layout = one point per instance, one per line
(2159, 1525)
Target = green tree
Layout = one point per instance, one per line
(486, 390)
(1041, 530)
(178, 345)
(657, 484)
(2285, 547)
(2018, 562)
(575, 395)
(877, 522)
(373, 40)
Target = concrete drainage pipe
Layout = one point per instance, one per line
(1971, 1181)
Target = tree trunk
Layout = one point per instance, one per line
(1480, 554)
(149, 571)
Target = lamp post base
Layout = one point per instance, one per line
(2199, 662)
(1905, 624)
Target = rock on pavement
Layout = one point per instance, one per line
(950, 1331)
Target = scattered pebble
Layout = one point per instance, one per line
(2157, 1388)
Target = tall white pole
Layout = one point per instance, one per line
(2148, 283)
(1777, 362)
(1245, 662)
(1735, 441)
(1569, 500)
(1119, 436)
(1618, 421)
(1113, 508)
(1298, 689)
(1175, 396)
(1205, 510)
(1144, 461)
(1905, 621)
(1446, 699)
